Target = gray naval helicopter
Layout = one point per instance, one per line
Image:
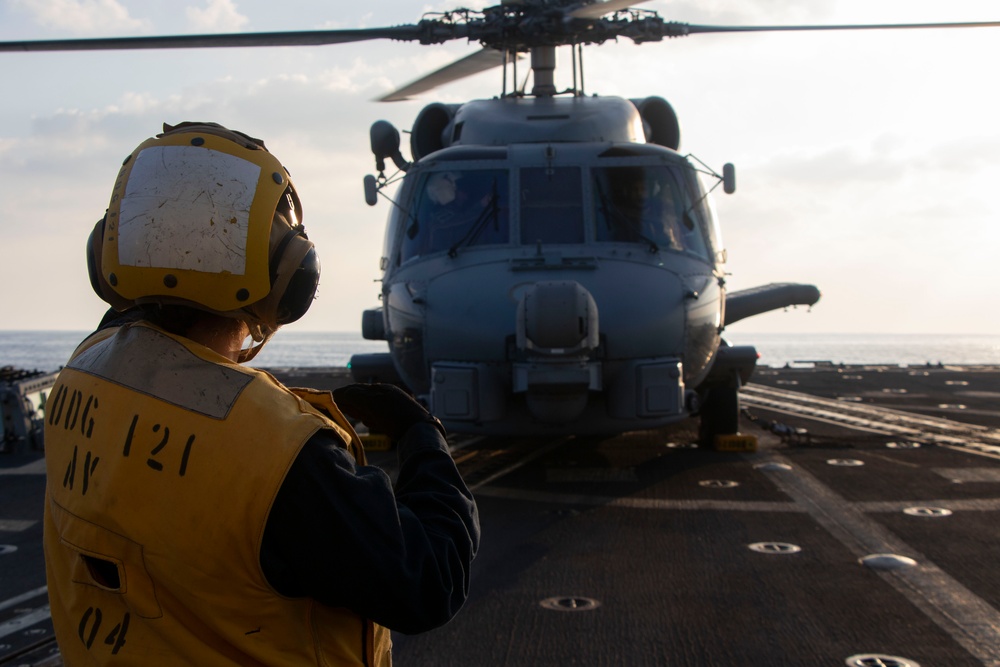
(552, 263)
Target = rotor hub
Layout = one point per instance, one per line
(524, 26)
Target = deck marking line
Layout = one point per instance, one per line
(520, 462)
(15, 525)
(879, 412)
(969, 620)
(966, 442)
(955, 505)
(854, 416)
(867, 507)
(748, 402)
(33, 468)
(973, 450)
(969, 475)
(24, 621)
(457, 444)
(639, 503)
(18, 599)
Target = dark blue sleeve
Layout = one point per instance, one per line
(339, 533)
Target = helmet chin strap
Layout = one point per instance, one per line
(260, 334)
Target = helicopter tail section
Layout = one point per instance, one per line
(756, 300)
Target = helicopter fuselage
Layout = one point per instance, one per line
(570, 285)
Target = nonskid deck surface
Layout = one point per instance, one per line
(855, 534)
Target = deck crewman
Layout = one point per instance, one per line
(198, 512)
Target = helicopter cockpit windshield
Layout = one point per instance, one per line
(455, 209)
(660, 206)
(648, 204)
(551, 205)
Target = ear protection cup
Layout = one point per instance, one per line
(294, 272)
(93, 257)
(301, 289)
(95, 247)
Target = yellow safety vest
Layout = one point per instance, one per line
(163, 460)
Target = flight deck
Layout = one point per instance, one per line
(862, 532)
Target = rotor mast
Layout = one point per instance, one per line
(543, 68)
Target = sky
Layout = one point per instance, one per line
(867, 162)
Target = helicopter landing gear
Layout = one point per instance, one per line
(720, 400)
(720, 413)
(720, 421)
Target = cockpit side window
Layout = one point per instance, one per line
(647, 205)
(455, 209)
(551, 205)
(704, 212)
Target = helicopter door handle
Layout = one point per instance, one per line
(691, 294)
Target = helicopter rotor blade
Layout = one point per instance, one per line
(488, 58)
(600, 8)
(480, 61)
(692, 29)
(223, 40)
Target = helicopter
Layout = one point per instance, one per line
(552, 262)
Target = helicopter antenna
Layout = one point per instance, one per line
(513, 79)
(524, 83)
(503, 87)
(730, 183)
(579, 49)
(576, 86)
(575, 89)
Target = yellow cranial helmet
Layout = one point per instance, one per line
(206, 217)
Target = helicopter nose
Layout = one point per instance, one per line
(557, 330)
(556, 318)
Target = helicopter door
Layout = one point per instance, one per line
(551, 205)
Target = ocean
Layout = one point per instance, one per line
(48, 350)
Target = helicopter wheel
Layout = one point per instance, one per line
(720, 414)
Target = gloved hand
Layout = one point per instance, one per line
(384, 408)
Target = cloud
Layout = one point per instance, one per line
(216, 16)
(864, 171)
(446, 6)
(725, 12)
(81, 16)
(58, 176)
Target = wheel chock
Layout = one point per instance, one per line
(736, 442)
